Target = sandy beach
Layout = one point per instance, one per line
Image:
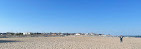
(69, 43)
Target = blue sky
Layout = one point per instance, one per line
(116, 17)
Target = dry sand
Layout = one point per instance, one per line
(69, 43)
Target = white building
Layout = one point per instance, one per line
(77, 34)
(28, 33)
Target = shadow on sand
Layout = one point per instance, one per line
(5, 41)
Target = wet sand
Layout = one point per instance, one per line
(69, 43)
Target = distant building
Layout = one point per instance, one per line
(54, 34)
(2, 33)
(28, 33)
(77, 34)
(92, 34)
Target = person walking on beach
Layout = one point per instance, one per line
(121, 38)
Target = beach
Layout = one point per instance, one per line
(69, 42)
